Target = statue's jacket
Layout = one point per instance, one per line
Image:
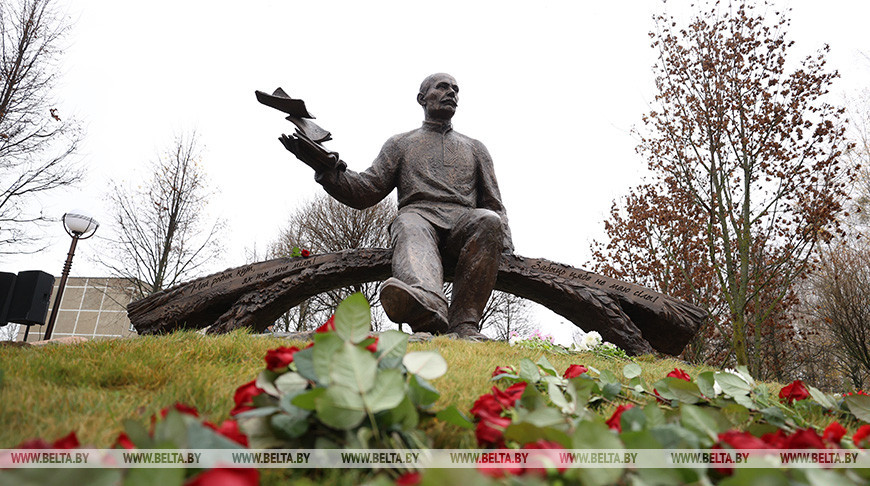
(438, 172)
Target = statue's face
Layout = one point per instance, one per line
(442, 98)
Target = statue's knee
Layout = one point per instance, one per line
(488, 223)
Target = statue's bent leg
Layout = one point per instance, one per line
(414, 294)
(476, 243)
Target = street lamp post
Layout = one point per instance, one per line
(79, 225)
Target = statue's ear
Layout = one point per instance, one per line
(420, 99)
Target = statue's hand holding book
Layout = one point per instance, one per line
(306, 142)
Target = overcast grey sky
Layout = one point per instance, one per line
(552, 88)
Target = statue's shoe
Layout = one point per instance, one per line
(468, 332)
(404, 304)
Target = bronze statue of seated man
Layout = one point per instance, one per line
(450, 214)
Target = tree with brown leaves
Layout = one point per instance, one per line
(746, 175)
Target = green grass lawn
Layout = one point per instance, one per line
(90, 388)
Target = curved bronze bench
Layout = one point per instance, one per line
(634, 318)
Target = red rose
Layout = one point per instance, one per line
(833, 433)
(244, 397)
(305, 253)
(486, 404)
(741, 440)
(795, 391)
(543, 455)
(574, 371)
(373, 347)
(230, 430)
(490, 430)
(225, 477)
(34, 444)
(185, 409)
(123, 441)
(804, 439)
(509, 397)
(680, 374)
(501, 470)
(860, 439)
(279, 359)
(327, 326)
(409, 479)
(776, 440)
(614, 421)
(70, 441)
(503, 370)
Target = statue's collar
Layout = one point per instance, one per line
(438, 126)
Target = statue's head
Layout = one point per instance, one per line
(439, 96)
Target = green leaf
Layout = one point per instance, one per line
(545, 417)
(452, 415)
(705, 383)
(732, 384)
(388, 392)
(353, 318)
(201, 437)
(323, 358)
(427, 364)
(138, 434)
(340, 408)
(149, 477)
(611, 390)
(353, 368)
(654, 415)
(582, 390)
(631, 370)
(737, 414)
(308, 400)
(526, 432)
(259, 412)
(684, 391)
(859, 405)
(663, 387)
(821, 477)
(265, 381)
(697, 420)
(304, 361)
(259, 432)
(88, 476)
(674, 436)
(596, 435)
(288, 426)
(392, 344)
(821, 398)
(172, 429)
(545, 365)
(633, 419)
(529, 371)
(422, 394)
(558, 398)
(404, 416)
(290, 383)
(608, 376)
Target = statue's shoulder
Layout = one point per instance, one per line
(474, 143)
(404, 138)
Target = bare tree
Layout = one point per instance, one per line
(504, 314)
(161, 237)
(35, 142)
(746, 157)
(325, 225)
(841, 286)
